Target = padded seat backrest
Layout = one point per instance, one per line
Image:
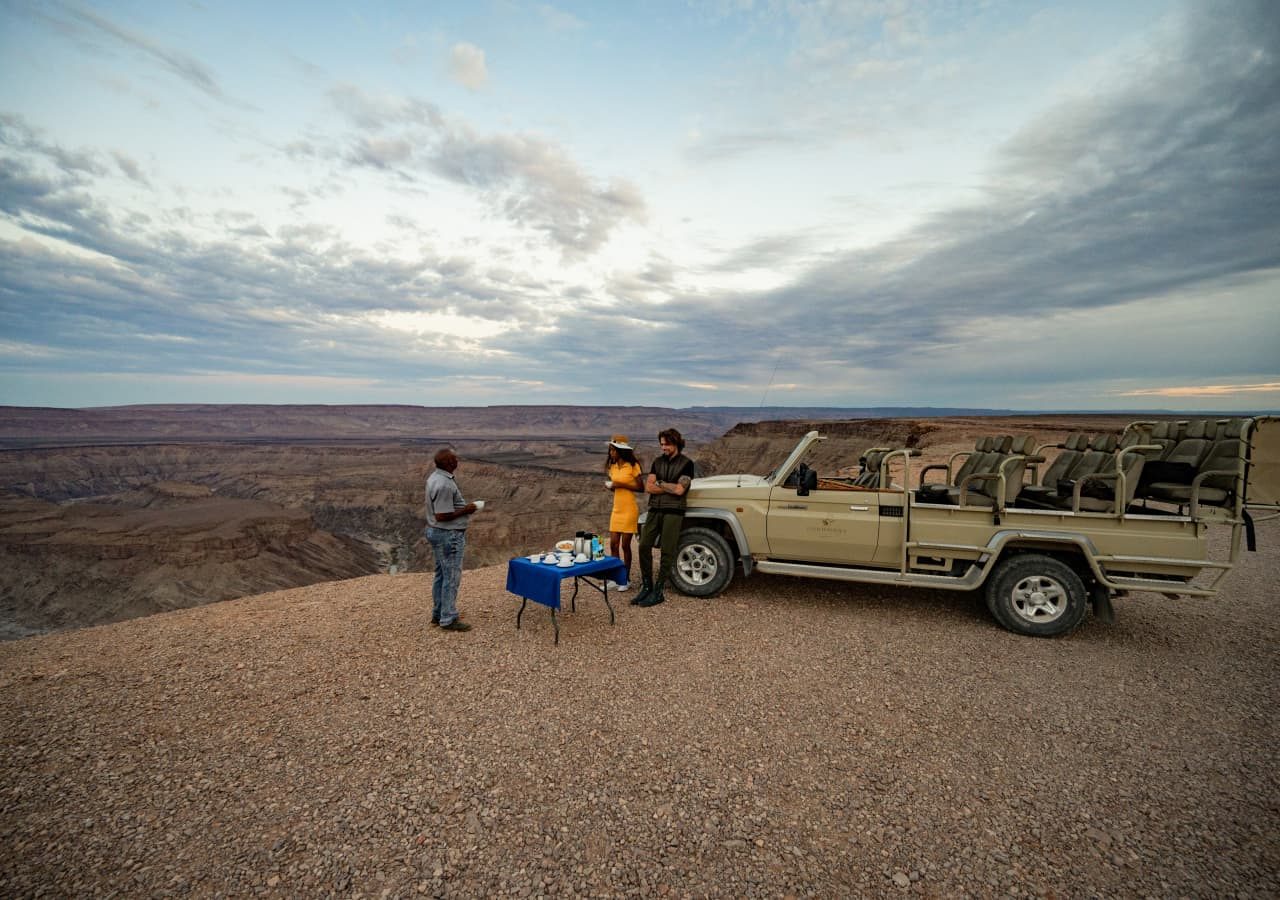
(870, 474)
(1177, 430)
(1161, 436)
(1231, 428)
(1193, 448)
(980, 450)
(1224, 456)
(1100, 451)
(1132, 437)
(1072, 450)
(990, 461)
(1133, 465)
(1196, 428)
(1014, 465)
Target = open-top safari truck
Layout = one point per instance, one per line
(1111, 514)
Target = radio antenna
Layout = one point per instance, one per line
(771, 377)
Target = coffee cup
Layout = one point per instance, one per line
(608, 484)
(479, 505)
(581, 558)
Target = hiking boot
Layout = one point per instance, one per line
(654, 597)
(435, 620)
(645, 590)
(456, 625)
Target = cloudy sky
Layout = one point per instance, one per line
(875, 202)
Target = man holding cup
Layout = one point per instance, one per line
(447, 518)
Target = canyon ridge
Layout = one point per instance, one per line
(113, 513)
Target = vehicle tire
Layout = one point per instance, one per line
(704, 563)
(1036, 595)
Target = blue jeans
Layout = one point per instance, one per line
(446, 547)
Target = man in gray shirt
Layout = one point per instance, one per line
(447, 518)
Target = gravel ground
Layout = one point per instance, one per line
(792, 737)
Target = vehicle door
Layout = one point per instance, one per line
(831, 526)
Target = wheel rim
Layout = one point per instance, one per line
(697, 564)
(1039, 599)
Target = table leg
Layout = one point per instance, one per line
(606, 600)
(555, 625)
(573, 601)
(523, 601)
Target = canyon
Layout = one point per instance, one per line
(112, 514)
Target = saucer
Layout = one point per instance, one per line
(581, 558)
(565, 564)
(535, 557)
(550, 560)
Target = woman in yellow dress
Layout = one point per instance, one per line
(624, 481)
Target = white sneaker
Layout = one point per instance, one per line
(614, 586)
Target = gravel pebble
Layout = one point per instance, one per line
(792, 737)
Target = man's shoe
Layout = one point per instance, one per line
(654, 597)
(435, 620)
(456, 625)
(645, 590)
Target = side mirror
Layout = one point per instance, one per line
(807, 480)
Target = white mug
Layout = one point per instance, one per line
(479, 504)
(608, 484)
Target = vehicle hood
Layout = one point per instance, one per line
(728, 481)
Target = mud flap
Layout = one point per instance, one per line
(1100, 597)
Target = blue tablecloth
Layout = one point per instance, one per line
(540, 582)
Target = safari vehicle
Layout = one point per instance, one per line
(1111, 515)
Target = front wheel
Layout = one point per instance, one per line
(1036, 595)
(704, 563)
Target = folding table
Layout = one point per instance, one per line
(540, 582)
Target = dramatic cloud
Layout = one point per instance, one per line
(1122, 244)
(528, 180)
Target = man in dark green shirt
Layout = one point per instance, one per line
(668, 482)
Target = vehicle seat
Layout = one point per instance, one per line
(1179, 465)
(869, 477)
(1072, 449)
(1097, 493)
(1219, 472)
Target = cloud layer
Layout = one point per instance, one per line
(1124, 243)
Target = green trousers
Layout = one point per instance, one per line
(664, 526)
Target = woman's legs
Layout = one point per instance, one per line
(621, 540)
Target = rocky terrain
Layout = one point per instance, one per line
(790, 738)
(173, 546)
(84, 526)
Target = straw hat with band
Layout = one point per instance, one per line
(620, 441)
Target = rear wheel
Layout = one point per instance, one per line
(1037, 595)
(704, 563)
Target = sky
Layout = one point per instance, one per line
(1018, 205)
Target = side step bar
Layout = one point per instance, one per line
(968, 582)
